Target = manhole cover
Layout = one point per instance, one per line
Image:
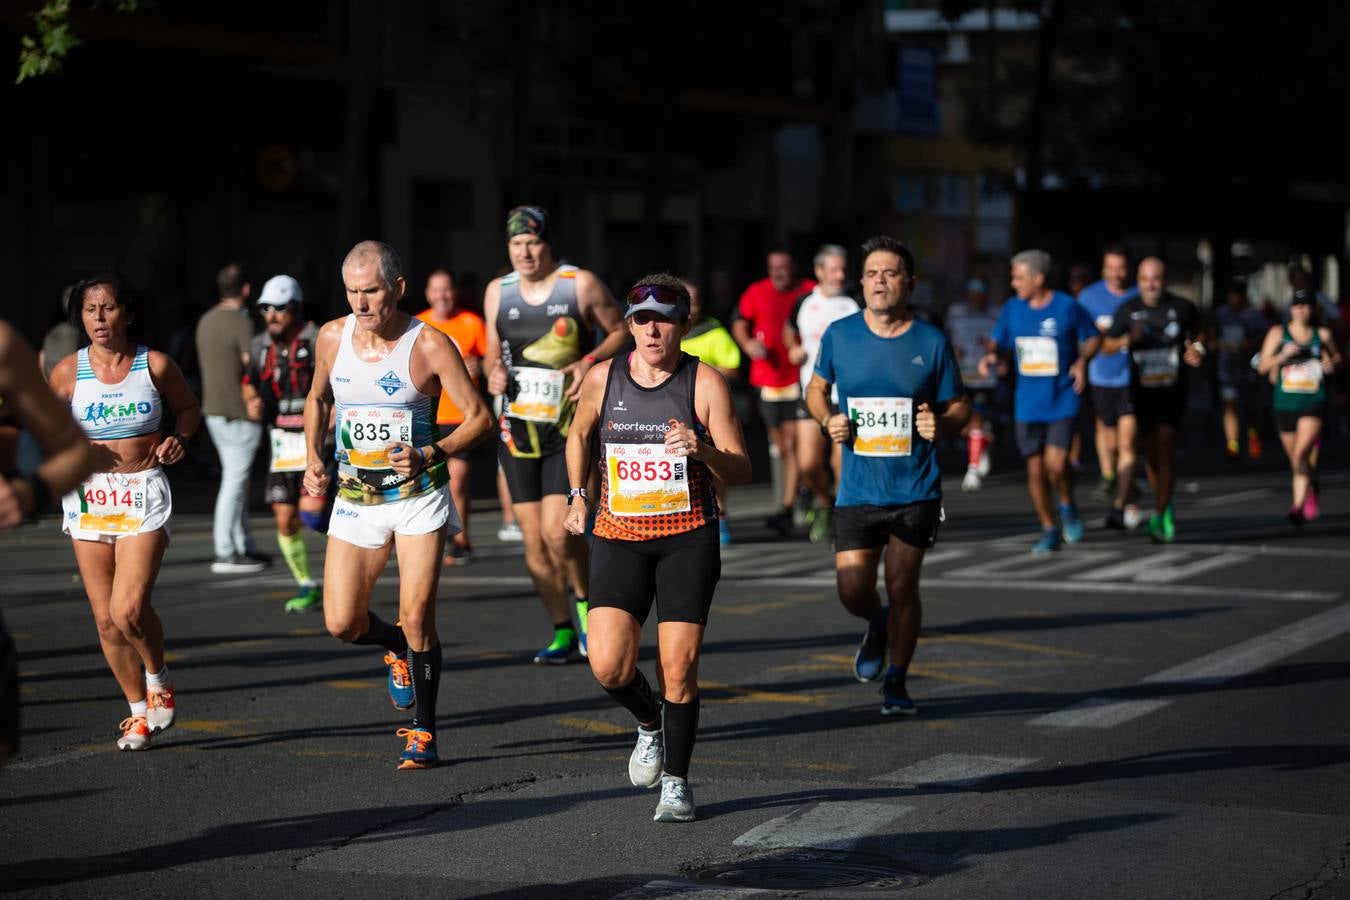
(813, 875)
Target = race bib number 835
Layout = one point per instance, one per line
(367, 433)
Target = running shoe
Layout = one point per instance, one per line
(1047, 543)
(236, 565)
(565, 648)
(1296, 516)
(1158, 530)
(509, 533)
(1169, 524)
(458, 554)
(1311, 508)
(1106, 488)
(420, 752)
(983, 466)
(583, 609)
(309, 600)
(401, 692)
(1073, 524)
(1230, 452)
(677, 800)
(895, 699)
(1253, 444)
(644, 766)
(723, 531)
(870, 660)
(160, 710)
(1132, 516)
(972, 481)
(135, 734)
(780, 522)
(1115, 518)
(821, 518)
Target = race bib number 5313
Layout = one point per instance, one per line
(882, 426)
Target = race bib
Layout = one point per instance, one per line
(781, 394)
(1157, 366)
(539, 394)
(1037, 356)
(112, 503)
(288, 450)
(367, 433)
(882, 426)
(1104, 322)
(645, 480)
(1301, 377)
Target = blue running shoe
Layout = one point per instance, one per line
(723, 531)
(895, 699)
(1073, 524)
(420, 752)
(401, 692)
(1047, 543)
(870, 660)
(564, 649)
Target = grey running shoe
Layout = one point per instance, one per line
(644, 766)
(677, 800)
(237, 565)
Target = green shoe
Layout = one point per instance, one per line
(583, 607)
(820, 524)
(1169, 525)
(564, 649)
(308, 601)
(1158, 530)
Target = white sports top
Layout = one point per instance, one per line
(106, 412)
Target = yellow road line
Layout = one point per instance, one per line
(349, 684)
(930, 672)
(343, 754)
(228, 727)
(594, 726)
(249, 642)
(750, 695)
(1006, 644)
(307, 632)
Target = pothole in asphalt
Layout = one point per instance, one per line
(814, 874)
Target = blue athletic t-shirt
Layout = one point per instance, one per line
(1106, 369)
(918, 365)
(1044, 344)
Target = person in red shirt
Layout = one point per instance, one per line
(758, 328)
(467, 332)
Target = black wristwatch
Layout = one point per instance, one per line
(825, 428)
(575, 492)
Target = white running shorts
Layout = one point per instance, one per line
(372, 526)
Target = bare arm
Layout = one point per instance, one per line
(740, 330)
(598, 307)
(448, 366)
(579, 442)
(1271, 357)
(187, 411)
(492, 358)
(68, 458)
(725, 456)
(319, 407)
(947, 421)
(836, 424)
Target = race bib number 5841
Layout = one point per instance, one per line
(883, 426)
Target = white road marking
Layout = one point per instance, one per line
(1164, 567)
(1237, 497)
(1024, 564)
(56, 759)
(653, 890)
(829, 825)
(956, 769)
(1211, 669)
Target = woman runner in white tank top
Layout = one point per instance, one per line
(118, 518)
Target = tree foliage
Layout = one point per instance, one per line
(45, 49)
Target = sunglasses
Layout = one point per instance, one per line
(644, 292)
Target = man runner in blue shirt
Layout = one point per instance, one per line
(899, 389)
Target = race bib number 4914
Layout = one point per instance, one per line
(112, 503)
(882, 426)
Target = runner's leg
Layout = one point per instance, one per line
(95, 561)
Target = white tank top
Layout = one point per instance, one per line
(106, 412)
(378, 405)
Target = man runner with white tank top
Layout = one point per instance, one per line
(384, 371)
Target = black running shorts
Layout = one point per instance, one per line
(679, 572)
(1110, 403)
(531, 480)
(1158, 406)
(867, 527)
(1287, 421)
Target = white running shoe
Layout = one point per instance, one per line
(677, 800)
(1133, 517)
(644, 766)
(135, 734)
(972, 480)
(984, 465)
(161, 710)
(510, 532)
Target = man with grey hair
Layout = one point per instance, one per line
(812, 314)
(379, 373)
(1051, 338)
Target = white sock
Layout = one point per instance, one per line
(157, 681)
(139, 707)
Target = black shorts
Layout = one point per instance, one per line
(1111, 403)
(776, 412)
(1158, 406)
(1034, 437)
(1287, 420)
(531, 480)
(679, 572)
(289, 487)
(9, 691)
(446, 431)
(867, 527)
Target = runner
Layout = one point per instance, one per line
(970, 327)
(276, 382)
(1161, 331)
(118, 519)
(466, 330)
(1109, 373)
(758, 328)
(805, 326)
(709, 340)
(897, 378)
(1237, 334)
(27, 403)
(1053, 338)
(667, 430)
(1297, 357)
(540, 318)
(379, 371)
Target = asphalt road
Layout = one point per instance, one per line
(1119, 720)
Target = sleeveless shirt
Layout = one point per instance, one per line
(106, 412)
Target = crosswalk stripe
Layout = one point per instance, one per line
(956, 769)
(828, 825)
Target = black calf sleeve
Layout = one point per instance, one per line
(381, 634)
(681, 729)
(638, 698)
(425, 667)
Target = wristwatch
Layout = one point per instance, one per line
(575, 492)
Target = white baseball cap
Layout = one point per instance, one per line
(281, 290)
